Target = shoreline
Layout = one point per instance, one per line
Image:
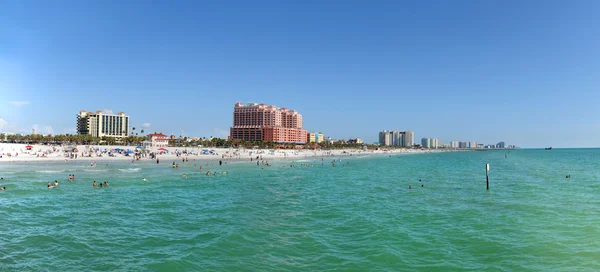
(48, 153)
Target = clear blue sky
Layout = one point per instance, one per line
(524, 72)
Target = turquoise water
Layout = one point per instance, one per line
(359, 216)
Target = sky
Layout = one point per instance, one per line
(523, 72)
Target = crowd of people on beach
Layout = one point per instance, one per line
(253, 156)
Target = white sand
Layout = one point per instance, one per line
(18, 153)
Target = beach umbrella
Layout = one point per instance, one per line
(29, 147)
(162, 149)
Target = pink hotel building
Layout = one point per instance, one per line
(260, 122)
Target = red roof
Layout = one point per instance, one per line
(156, 134)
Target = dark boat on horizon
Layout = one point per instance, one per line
(548, 148)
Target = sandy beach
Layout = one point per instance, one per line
(39, 153)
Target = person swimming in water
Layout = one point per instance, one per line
(55, 183)
(184, 176)
(3, 189)
(144, 179)
(208, 173)
(409, 187)
(100, 185)
(106, 183)
(95, 184)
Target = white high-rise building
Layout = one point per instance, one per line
(454, 144)
(384, 138)
(100, 124)
(408, 139)
(426, 142)
(472, 144)
(396, 138)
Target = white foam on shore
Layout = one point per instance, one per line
(130, 170)
(50, 171)
(95, 170)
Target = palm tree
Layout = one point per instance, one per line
(142, 131)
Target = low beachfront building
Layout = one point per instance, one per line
(355, 141)
(158, 140)
(316, 137)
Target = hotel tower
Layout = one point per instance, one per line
(260, 122)
(101, 124)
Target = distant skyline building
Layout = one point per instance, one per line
(462, 144)
(260, 122)
(426, 142)
(454, 144)
(501, 145)
(396, 138)
(431, 143)
(408, 139)
(472, 144)
(102, 124)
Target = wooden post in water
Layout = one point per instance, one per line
(487, 179)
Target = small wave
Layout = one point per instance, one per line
(95, 170)
(130, 170)
(50, 171)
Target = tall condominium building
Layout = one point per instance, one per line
(385, 138)
(101, 124)
(454, 144)
(260, 122)
(472, 144)
(462, 144)
(500, 145)
(426, 142)
(431, 143)
(316, 137)
(396, 138)
(408, 139)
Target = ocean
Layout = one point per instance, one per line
(357, 216)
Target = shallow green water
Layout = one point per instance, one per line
(359, 216)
